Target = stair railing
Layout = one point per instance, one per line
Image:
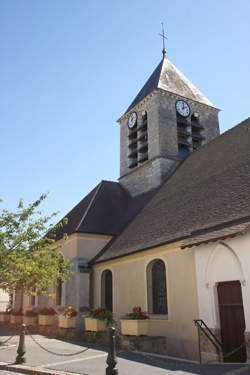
(203, 328)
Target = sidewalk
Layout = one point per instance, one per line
(93, 361)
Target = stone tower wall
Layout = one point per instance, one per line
(163, 155)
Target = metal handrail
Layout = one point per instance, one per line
(201, 325)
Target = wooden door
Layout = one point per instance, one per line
(232, 320)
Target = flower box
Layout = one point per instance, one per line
(92, 324)
(45, 320)
(30, 320)
(134, 327)
(64, 322)
(4, 318)
(16, 319)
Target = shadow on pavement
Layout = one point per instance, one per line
(192, 368)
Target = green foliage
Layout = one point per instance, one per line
(102, 314)
(30, 260)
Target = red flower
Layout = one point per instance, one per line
(70, 312)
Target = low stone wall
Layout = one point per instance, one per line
(150, 344)
(208, 350)
(247, 340)
(100, 338)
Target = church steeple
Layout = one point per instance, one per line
(168, 119)
(167, 77)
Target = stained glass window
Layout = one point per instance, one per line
(107, 290)
(159, 290)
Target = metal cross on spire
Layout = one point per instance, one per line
(164, 51)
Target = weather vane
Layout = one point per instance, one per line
(164, 51)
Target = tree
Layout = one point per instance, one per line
(30, 260)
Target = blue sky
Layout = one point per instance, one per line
(69, 69)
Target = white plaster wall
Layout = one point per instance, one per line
(77, 249)
(227, 260)
(69, 248)
(88, 245)
(130, 289)
(4, 300)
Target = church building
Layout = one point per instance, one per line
(172, 235)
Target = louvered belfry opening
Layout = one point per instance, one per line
(197, 129)
(189, 133)
(184, 136)
(132, 147)
(143, 138)
(138, 142)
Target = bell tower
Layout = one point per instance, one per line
(167, 120)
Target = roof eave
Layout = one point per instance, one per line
(127, 113)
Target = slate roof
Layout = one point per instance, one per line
(226, 230)
(105, 210)
(167, 77)
(210, 188)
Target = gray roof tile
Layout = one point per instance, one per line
(105, 210)
(167, 77)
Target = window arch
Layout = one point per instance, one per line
(107, 290)
(32, 299)
(157, 287)
(59, 286)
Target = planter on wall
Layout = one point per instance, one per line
(64, 322)
(134, 327)
(45, 320)
(4, 318)
(16, 319)
(30, 320)
(95, 325)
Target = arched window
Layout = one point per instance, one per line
(157, 287)
(59, 292)
(59, 285)
(107, 290)
(32, 299)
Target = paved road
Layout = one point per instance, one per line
(10, 373)
(93, 361)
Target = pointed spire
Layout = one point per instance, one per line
(167, 77)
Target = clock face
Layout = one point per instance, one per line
(132, 120)
(182, 108)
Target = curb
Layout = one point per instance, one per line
(32, 370)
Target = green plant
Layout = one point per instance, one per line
(47, 311)
(102, 314)
(136, 314)
(30, 258)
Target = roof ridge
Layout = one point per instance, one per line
(152, 81)
(89, 206)
(109, 181)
